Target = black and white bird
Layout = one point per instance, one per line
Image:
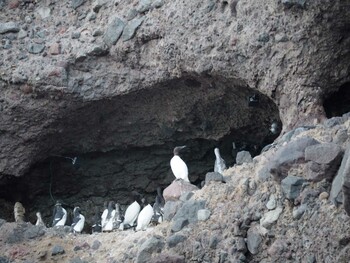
(78, 220)
(117, 217)
(104, 213)
(220, 164)
(144, 218)
(59, 215)
(132, 212)
(158, 207)
(178, 166)
(274, 127)
(39, 220)
(107, 217)
(96, 221)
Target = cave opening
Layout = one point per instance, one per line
(338, 103)
(126, 143)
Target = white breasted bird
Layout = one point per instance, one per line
(158, 207)
(108, 218)
(39, 220)
(78, 220)
(144, 218)
(132, 212)
(96, 221)
(220, 164)
(59, 215)
(178, 166)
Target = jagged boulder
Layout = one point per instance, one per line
(341, 180)
(289, 155)
(176, 189)
(323, 161)
(291, 186)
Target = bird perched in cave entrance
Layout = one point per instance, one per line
(178, 166)
(39, 220)
(144, 218)
(131, 212)
(220, 164)
(59, 215)
(117, 217)
(108, 217)
(158, 207)
(104, 213)
(274, 127)
(19, 212)
(96, 221)
(78, 220)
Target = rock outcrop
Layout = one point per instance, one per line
(222, 222)
(98, 79)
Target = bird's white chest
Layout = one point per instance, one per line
(131, 213)
(144, 218)
(80, 224)
(63, 220)
(179, 168)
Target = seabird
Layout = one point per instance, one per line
(144, 218)
(59, 215)
(78, 220)
(104, 214)
(131, 212)
(39, 220)
(220, 164)
(158, 207)
(117, 218)
(274, 127)
(253, 100)
(96, 222)
(178, 166)
(19, 212)
(109, 219)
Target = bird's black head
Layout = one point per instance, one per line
(177, 149)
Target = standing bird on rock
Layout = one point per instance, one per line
(96, 222)
(132, 212)
(78, 220)
(59, 215)
(220, 164)
(117, 217)
(178, 166)
(144, 218)
(108, 217)
(104, 213)
(19, 212)
(158, 207)
(39, 220)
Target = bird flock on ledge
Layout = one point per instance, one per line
(138, 215)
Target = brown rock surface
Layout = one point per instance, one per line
(176, 189)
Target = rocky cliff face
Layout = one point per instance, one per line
(250, 217)
(120, 82)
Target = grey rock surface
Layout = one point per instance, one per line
(203, 214)
(254, 240)
(243, 157)
(170, 209)
(189, 210)
(57, 250)
(289, 155)
(9, 27)
(150, 246)
(291, 186)
(340, 178)
(173, 240)
(213, 177)
(114, 30)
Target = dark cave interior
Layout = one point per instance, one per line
(338, 103)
